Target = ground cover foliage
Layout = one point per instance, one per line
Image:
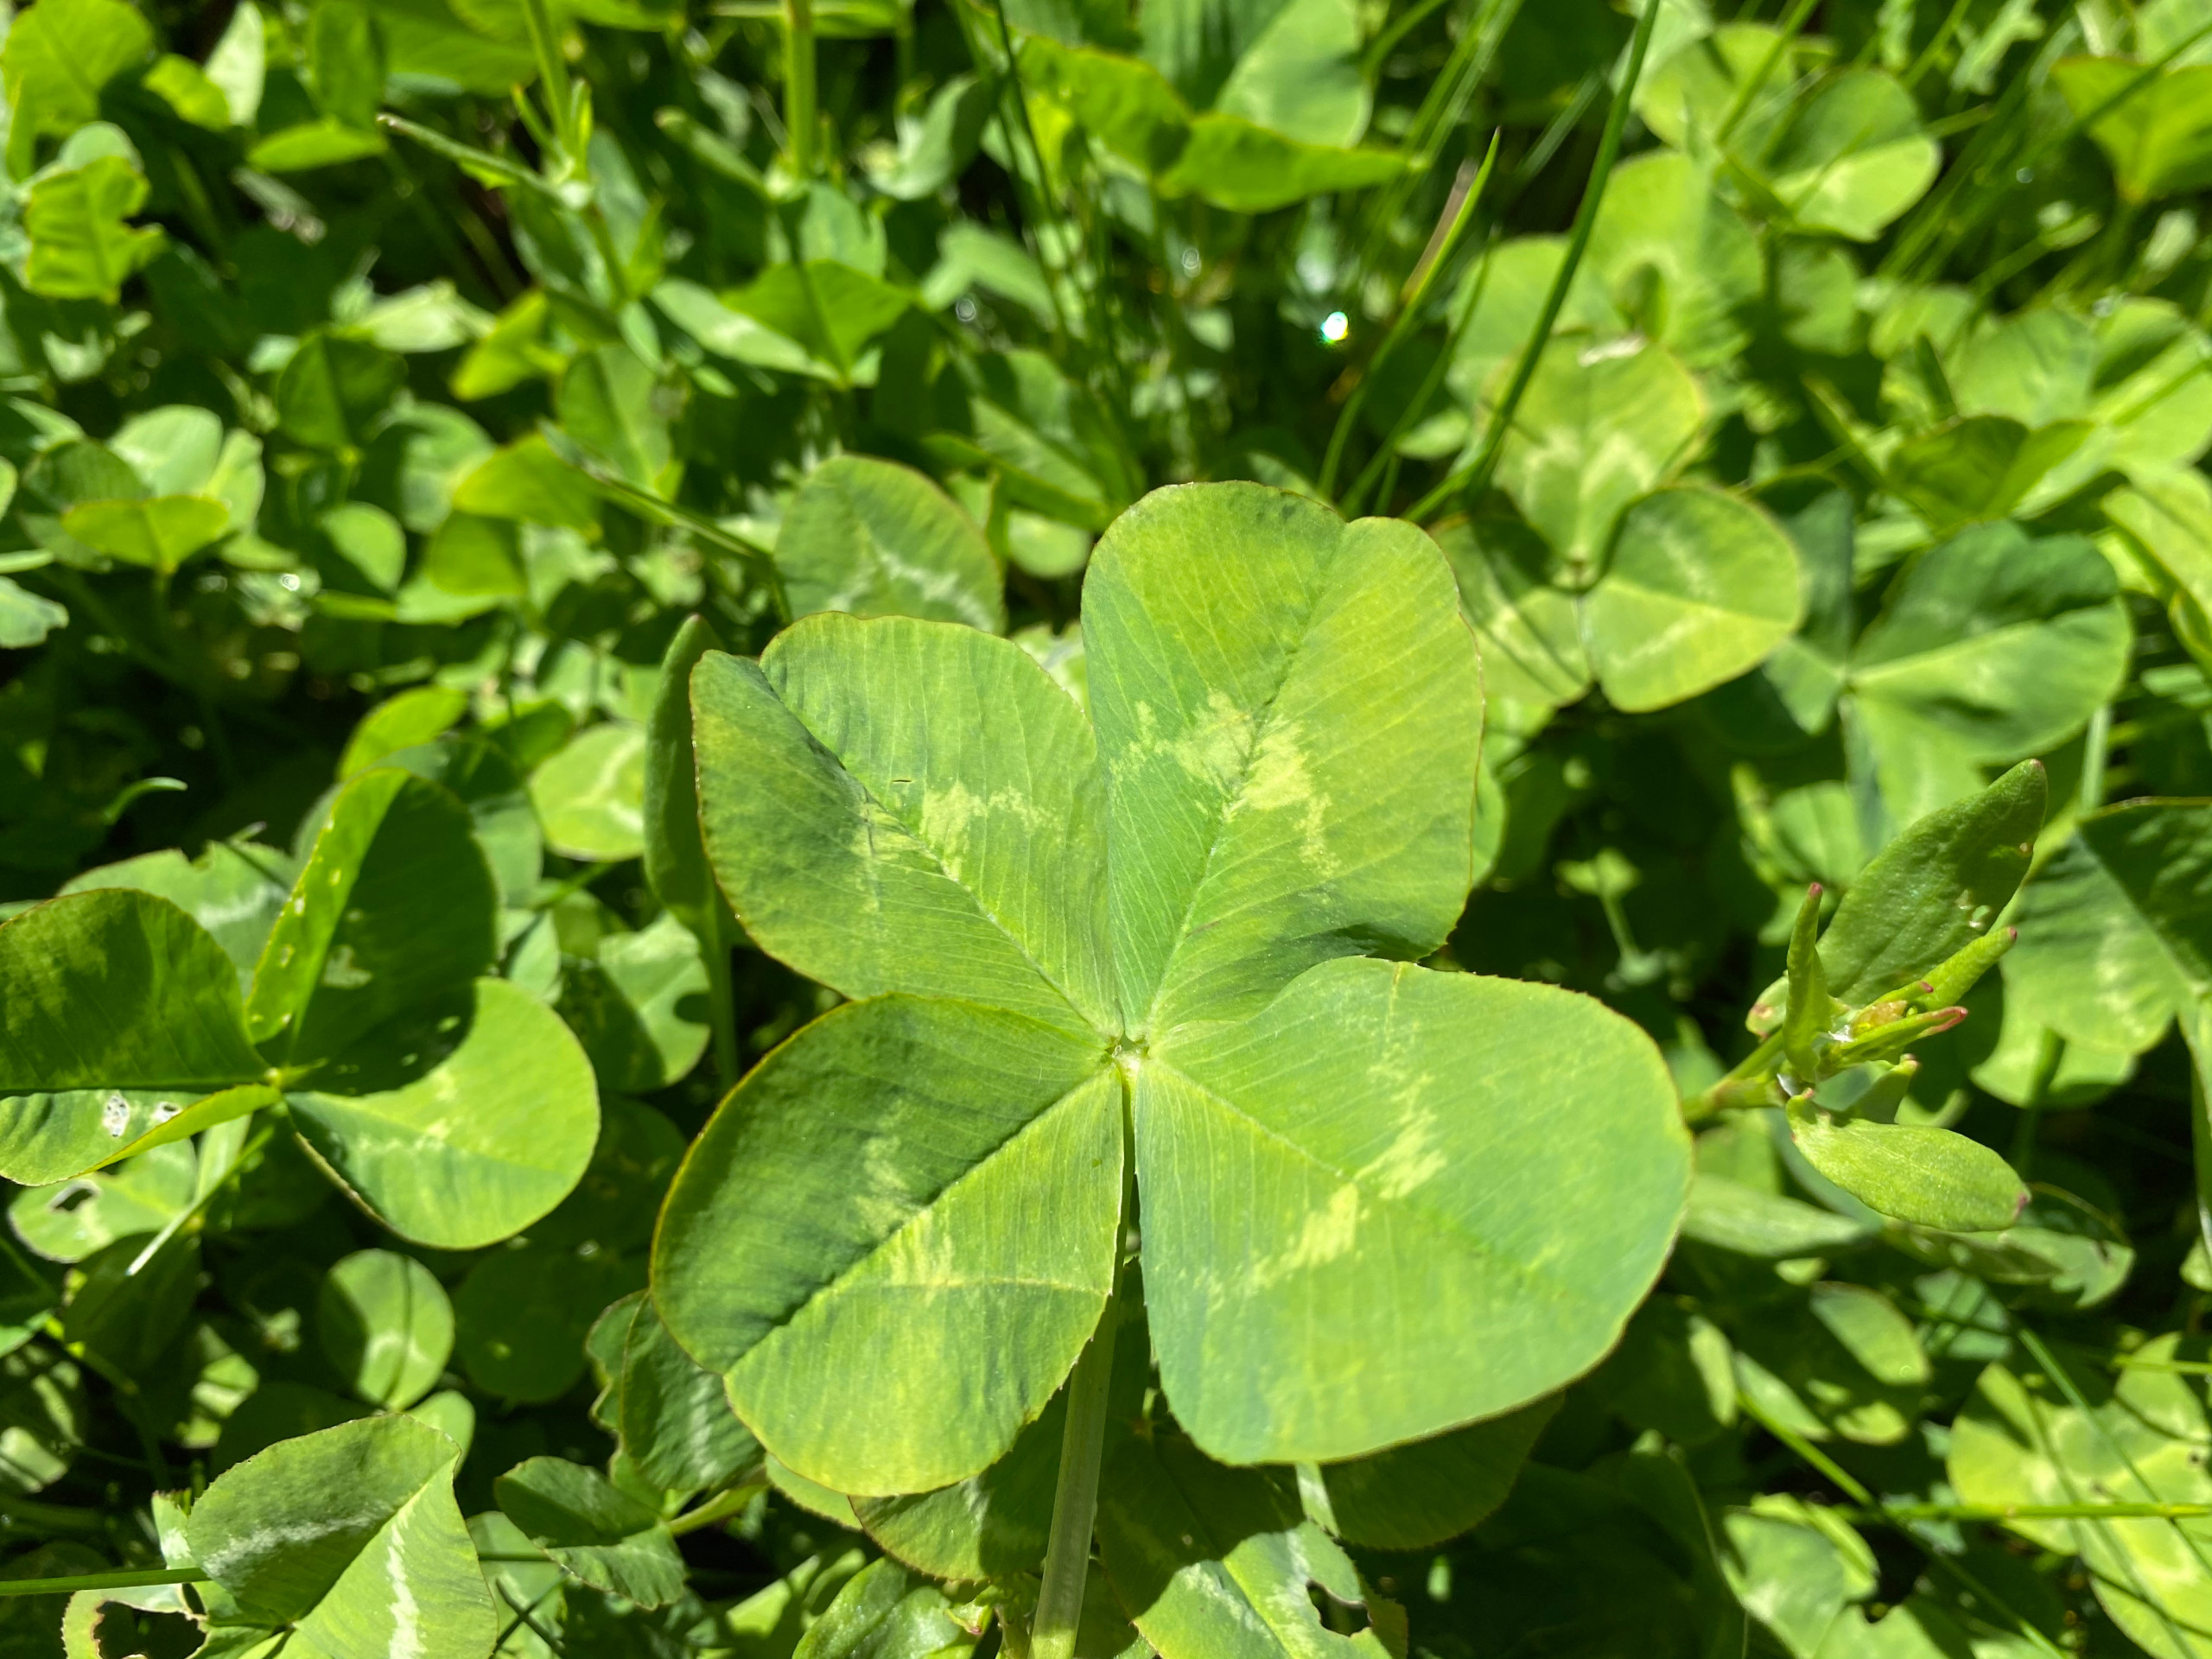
(1218, 828)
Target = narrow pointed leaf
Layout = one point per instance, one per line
(1936, 888)
(2196, 1029)
(675, 855)
(1948, 982)
(1890, 1040)
(1931, 1177)
(1810, 1013)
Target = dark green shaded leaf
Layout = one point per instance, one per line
(118, 988)
(384, 1323)
(394, 906)
(1215, 1561)
(675, 1420)
(990, 1526)
(1417, 1495)
(234, 891)
(522, 1313)
(332, 389)
(351, 1535)
(602, 1534)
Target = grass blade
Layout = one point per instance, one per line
(1477, 473)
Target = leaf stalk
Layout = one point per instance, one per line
(800, 120)
(124, 1580)
(722, 1002)
(1083, 1445)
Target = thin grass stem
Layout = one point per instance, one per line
(1739, 105)
(1458, 215)
(800, 121)
(1874, 1508)
(127, 1579)
(1477, 474)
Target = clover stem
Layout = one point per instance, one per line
(718, 1508)
(800, 116)
(129, 1579)
(1746, 1084)
(241, 1151)
(1083, 1441)
(1075, 1500)
(553, 78)
(721, 999)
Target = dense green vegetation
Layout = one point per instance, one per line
(1236, 828)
